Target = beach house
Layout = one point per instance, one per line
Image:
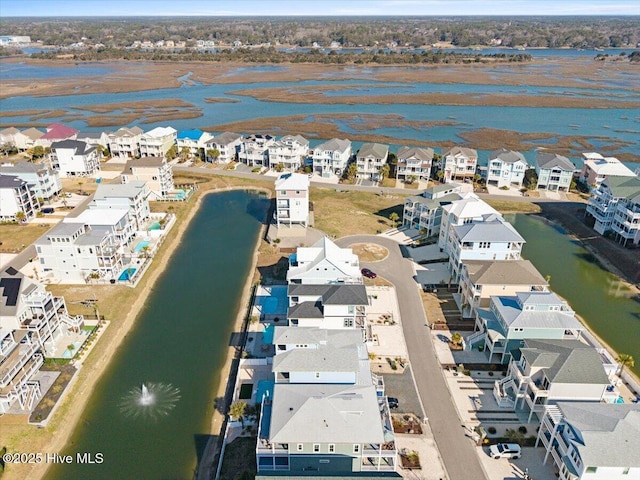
(227, 146)
(125, 142)
(26, 139)
(157, 142)
(424, 212)
(324, 263)
(459, 163)
(370, 159)
(328, 306)
(43, 181)
(597, 168)
(100, 140)
(506, 168)
(156, 172)
(57, 132)
(331, 157)
(17, 201)
(254, 150)
(8, 136)
(288, 153)
(74, 159)
(555, 172)
(414, 163)
(132, 196)
(292, 199)
(194, 140)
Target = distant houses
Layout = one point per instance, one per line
(424, 212)
(157, 142)
(125, 142)
(223, 148)
(414, 163)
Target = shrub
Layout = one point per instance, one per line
(522, 430)
(491, 430)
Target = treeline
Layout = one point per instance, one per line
(352, 32)
(271, 55)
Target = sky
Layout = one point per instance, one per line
(62, 8)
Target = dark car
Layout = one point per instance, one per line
(393, 402)
(368, 273)
(48, 210)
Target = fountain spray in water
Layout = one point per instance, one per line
(151, 400)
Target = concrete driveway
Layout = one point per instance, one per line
(457, 451)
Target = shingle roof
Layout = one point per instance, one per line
(59, 131)
(76, 145)
(552, 160)
(22, 167)
(423, 154)
(306, 310)
(467, 152)
(292, 181)
(376, 150)
(146, 162)
(489, 231)
(507, 156)
(332, 294)
(120, 190)
(503, 272)
(623, 187)
(225, 138)
(32, 133)
(335, 144)
(11, 181)
(128, 132)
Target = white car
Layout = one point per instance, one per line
(505, 450)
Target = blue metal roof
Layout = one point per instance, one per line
(190, 134)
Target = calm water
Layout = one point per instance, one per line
(180, 339)
(594, 293)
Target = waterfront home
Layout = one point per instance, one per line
(125, 142)
(491, 239)
(20, 360)
(327, 306)
(76, 253)
(95, 139)
(592, 441)
(289, 153)
(414, 162)
(459, 163)
(424, 212)
(116, 221)
(8, 136)
(195, 140)
(254, 150)
(324, 263)
(27, 139)
(482, 279)
(506, 168)
(157, 142)
(466, 210)
(370, 159)
(555, 172)
(546, 372)
(597, 168)
(615, 207)
(132, 196)
(292, 199)
(156, 172)
(57, 132)
(528, 315)
(332, 157)
(227, 144)
(74, 159)
(17, 200)
(42, 180)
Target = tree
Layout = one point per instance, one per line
(351, 172)
(411, 179)
(280, 167)
(37, 152)
(625, 360)
(384, 171)
(456, 338)
(439, 175)
(394, 217)
(20, 216)
(237, 410)
(172, 152)
(514, 436)
(213, 153)
(185, 153)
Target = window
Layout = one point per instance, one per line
(592, 469)
(348, 322)
(299, 447)
(316, 447)
(356, 448)
(332, 448)
(317, 374)
(484, 245)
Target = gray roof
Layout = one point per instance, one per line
(298, 138)
(146, 162)
(225, 138)
(623, 187)
(511, 310)
(507, 156)
(127, 132)
(325, 413)
(299, 335)
(552, 160)
(376, 150)
(566, 361)
(435, 189)
(433, 203)
(32, 133)
(609, 432)
(503, 272)
(22, 167)
(62, 229)
(423, 154)
(489, 231)
(77, 145)
(119, 190)
(9, 131)
(306, 310)
(334, 145)
(332, 294)
(467, 152)
(91, 135)
(93, 236)
(11, 181)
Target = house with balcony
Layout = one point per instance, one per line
(28, 138)
(591, 441)
(17, 201)
(324, 263)
(615, 207)
(459, 212)
(492, 239)
(555, 172)
(57, 132)
(156, 172)
(95, 139)
(132, 196)
(116, 221)
(125, 142)
(328, 306)
(482, 279)
(75, 253)
(195, 140)
(290, 152)
(292, 199)
(8, 136)
(227, 144)
(20, 360)
(506, 168)
(370, 159)
(74, 159)
(42, 181)
(459, 163)
(414, 162)
(596, 169)
(424, 212)
(510, 320)
(332, 157)
(254, 150)
(546, 372)
(157, 142)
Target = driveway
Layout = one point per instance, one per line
(457, 451)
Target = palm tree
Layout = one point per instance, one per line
(625, 360)
(237, 409)
(384, 171)
(456, 338)
(394, 217)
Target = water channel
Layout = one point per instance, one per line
(599, 297)
(176, 347)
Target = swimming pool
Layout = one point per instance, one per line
(127, 274)
(155, 226)
(70, 353)
(140, 246)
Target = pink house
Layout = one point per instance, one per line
(56, 132)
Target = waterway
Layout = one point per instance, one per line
(180, 338)
(603, 301)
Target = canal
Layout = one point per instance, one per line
(599, 297)
(177, 346)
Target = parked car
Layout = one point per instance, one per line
(393, 402)
(368, 273)
(505, 450)
(48, 210)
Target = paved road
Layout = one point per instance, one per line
(457, 451)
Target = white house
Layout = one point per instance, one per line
(254, 150)
(95, 139)
(290, 152)
(43, 181)
(132, 196)
(414, 162)
(125, 142)
(554, 172)
(459, 163)
(117, 221)
(74, 159)
(227, 144)
(370, 159)
(157, 142)
(592, 441)
(16, 199)
(156, 172)
(424, 212)
(332, 157)
(327, 306)
(8, 136)
(597, 168)
(27, 139)
(506, 168)
(292, 199)
(324, 263)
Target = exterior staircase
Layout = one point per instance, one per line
(472, 339)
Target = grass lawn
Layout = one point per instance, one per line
(506, 206)
(14, 238)
(388, 183)
(76, 185)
